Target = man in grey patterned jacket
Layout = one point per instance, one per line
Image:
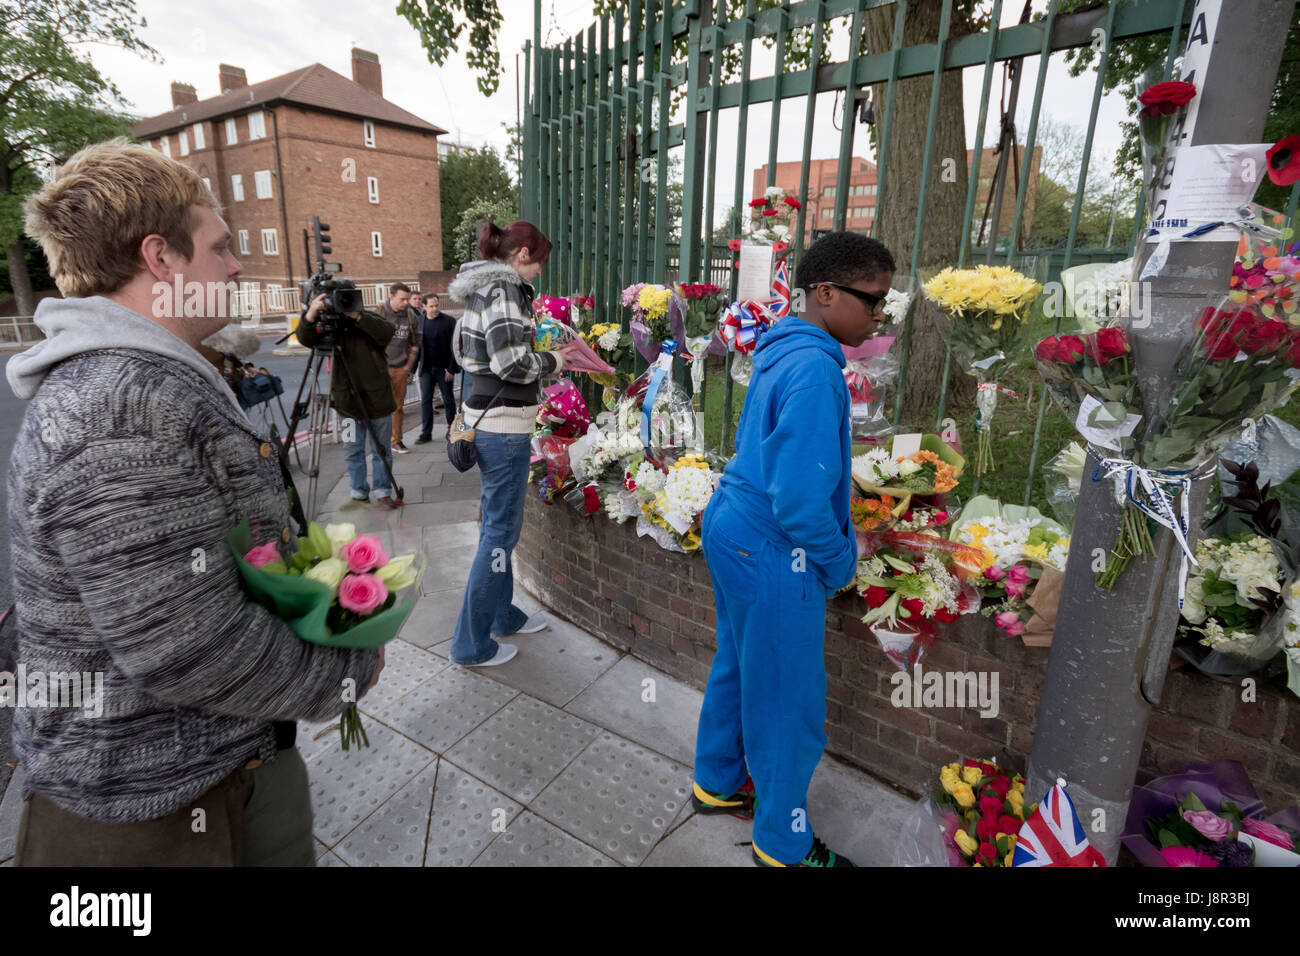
(132, 463)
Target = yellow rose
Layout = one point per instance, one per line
(964, 795)
(971, 775)
(1016, 799)
(398, 573)
(965, 843)
(1010, 854)
(949, 779)
(331, 571)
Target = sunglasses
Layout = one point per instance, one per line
(873, 302)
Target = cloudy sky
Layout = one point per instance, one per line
(268, 39)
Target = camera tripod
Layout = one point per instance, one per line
(315, 408)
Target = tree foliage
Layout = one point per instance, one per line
(463, 245)
(53, 100)
(440, 24)
(466, 178)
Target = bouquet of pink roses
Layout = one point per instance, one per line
(338, 588)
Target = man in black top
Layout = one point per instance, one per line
(438, 366)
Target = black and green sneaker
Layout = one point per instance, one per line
(820, 855)
(740, 804)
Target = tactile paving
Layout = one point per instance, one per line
(406, 667)
(446, 708)
(618, 797)
(466, 815)
(531, 841)
(523, 747)
(395, 834)
(349, 785)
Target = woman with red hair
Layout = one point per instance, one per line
(494, 344)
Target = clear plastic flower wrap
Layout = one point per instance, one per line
(872, 382)
(1062, 477)
(925, 837)
(987, 310)
(667, 418)
(658, 315)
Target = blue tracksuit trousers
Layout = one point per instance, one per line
(765, 704)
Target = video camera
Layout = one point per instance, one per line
(341, 295)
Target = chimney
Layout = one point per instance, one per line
(365, 70)
(231, 78)
(183, 94)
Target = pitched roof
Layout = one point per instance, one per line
(316, 87)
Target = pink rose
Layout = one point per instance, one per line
(363, 553)
(263, 554)
(362, 593)
(1009, 621)
(1017, 581)
(1267, 832)
(994, 573)
(1209, 824)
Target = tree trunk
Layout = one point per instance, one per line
(19, 279)
(945, 202)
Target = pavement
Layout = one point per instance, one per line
(572, 754)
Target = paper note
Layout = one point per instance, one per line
(1102, 433)
(1207, 184)
(755, 272)
(905, 446)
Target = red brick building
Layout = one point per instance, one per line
(311, 142)
(861, 203)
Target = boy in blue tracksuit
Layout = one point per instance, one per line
(779, 543)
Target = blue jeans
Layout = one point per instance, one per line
(430, 379)
(488, 607)
(764, 711)
(357, 456)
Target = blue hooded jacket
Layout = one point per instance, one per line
(791, 475)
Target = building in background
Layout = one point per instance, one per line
(860, 207)
(311, 142)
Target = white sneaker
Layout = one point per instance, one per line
(505, 652)
(537, 622)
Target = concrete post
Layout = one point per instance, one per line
(1111, 649)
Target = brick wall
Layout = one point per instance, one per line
(659, 606)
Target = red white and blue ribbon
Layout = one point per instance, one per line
(744, 323)
(780, 301)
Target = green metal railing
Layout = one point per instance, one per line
(599, 132)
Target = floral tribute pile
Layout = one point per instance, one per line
(982, 808)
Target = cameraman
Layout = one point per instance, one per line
(363, 338)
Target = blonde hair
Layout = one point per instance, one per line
(92, 216)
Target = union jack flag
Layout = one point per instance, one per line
(1053, 835)
(780, 301)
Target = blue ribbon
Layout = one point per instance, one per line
(652, 389)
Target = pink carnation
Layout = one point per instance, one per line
(1263, 830)
(1017, 581)
(363, 553)
(362, 593)
(1010, 622)
(263, 554)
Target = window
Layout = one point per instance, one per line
(376, 245)
(257, 125)
(826, 213)
(232, 137)
(270, 242)
(274, 298)
(185, 143)
(372, 188)
(166, 147)
(199, 142)
(830, 192)
(262, 182)
(243, 242)
(368, 127)
(237, 187)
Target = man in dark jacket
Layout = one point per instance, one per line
(438, 367)
(363, 343)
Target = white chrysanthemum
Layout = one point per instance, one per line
(687, 490)
(774, 192)
(609, 340)
(874, 467)
(1059, 554)
(896, 305)
(874, 566)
